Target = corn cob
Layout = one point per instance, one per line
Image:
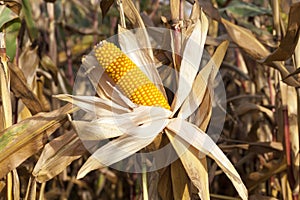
(128, 77)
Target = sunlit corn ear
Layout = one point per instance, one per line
(128, 77)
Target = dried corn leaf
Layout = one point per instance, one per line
(297, 71)
(288, 44)
(31, 189)
(165, 182)
(261, 197)
(245, 108)
(22, 90)
(256, 178)
(194, 166)
(28, 63)
(210, 10)
(57, 155)
(5, 90)
(297, 55)
(202, 81)
(202, 142)
(191, 60)
(246, 40)
(22, 140)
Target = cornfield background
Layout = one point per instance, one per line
(41, 48)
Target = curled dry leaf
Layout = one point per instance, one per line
(244, 108)
(246, 40)
(288, 43)
(28, 63)
(22, 90)
(57, 155)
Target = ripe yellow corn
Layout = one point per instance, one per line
(128, 77)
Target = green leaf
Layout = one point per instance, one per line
(243, 9)
(12, 31)
(33, 31)
(6, 15)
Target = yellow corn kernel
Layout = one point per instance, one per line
(128, 77)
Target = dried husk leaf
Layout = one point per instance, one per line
(191, 60)
(175, 9)
(203, 143)
(101, 81)
(202, 115)
(123, 147)
(95, 130)
(202, 81)
(99, 106)
(57, 155)
(22, 140)
(130, 45)
(194, 166)
(196, 12)
(134, 17)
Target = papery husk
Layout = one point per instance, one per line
(194, 136)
